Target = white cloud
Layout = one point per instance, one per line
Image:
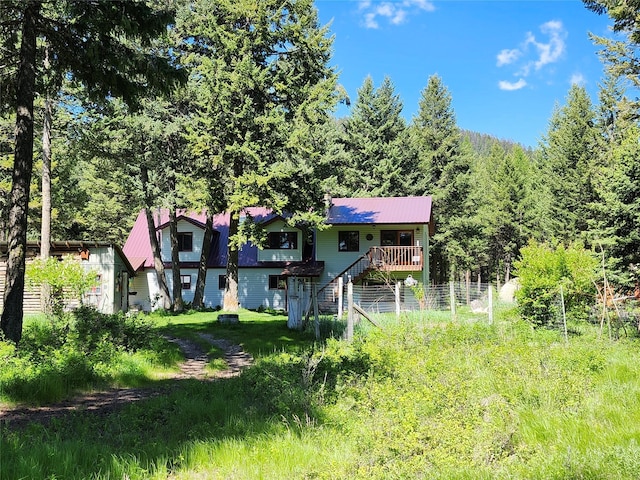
(506, 56)
(578, 79)
(534, 53)
(370, 20)
(511, 86)
(552, 50)
(395, 12)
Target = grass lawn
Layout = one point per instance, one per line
(423, 397)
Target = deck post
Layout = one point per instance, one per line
(397, 299)
(350, 311)
(340, 297)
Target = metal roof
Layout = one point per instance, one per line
(343, 211)
(379, 210)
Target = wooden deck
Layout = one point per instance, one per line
(396, 258)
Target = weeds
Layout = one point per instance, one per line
(417, 399)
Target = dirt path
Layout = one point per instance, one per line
(104, 402)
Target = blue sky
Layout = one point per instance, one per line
(505, 63)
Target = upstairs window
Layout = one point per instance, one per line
(349, 241)
(185, 241)
(282, 241)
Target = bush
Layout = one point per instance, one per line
(544, 271)
(94, 329)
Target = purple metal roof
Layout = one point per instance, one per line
(351, 211)
(137, 248)
(344, 211)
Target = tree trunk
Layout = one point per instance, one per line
(198, 297)
(178, 304)
(45, 228)
(11, 322)
(153, 240)
(231, 303)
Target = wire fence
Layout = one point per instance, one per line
(400, 297)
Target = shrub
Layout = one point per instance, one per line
(66, 278)
(544, 271)
(95, 329)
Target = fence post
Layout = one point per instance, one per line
(350, 311)
(316, 315)
(397, 299)
(490, 304)
(340, 297)
(467, 284)
(452, 295)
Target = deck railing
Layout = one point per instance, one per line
(387, 259)
(396, 258)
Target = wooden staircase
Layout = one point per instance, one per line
(393, 258)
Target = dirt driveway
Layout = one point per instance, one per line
(104, 402)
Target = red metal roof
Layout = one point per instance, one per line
(380, 210)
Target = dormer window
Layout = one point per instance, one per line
(282, 241)
(185, 241)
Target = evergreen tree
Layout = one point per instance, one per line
(567, 156)
(261, 69)
(375, 140)
(508, 209)
(75, 32)
(615, 209)
(443, 171)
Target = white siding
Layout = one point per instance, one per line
(336, 261)
(183, 227)
(146, 287)
(253, 290)
(268, 255)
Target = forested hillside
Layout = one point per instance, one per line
(238, 134)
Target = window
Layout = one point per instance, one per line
(185, 241)
(282, 240)
(186, 282)
(277, 282)
(222, 282)
(348, 241)
(403, 238)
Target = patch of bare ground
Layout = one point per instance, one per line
(104, 402)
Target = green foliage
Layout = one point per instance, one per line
(543, 271)
(80, 350)
(568, 162)
(420, 399)
(129, 332)
(374, 141)
(65, 278)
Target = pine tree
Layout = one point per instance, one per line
(375, 140)
(261, 69)
(615, 209)
(567, 160)
(443, 171)
(75, 32)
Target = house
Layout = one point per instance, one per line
(363, 236)
(113, 272)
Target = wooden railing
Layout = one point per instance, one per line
(396, 258)
(382, 258)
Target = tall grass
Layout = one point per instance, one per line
(422, 397)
